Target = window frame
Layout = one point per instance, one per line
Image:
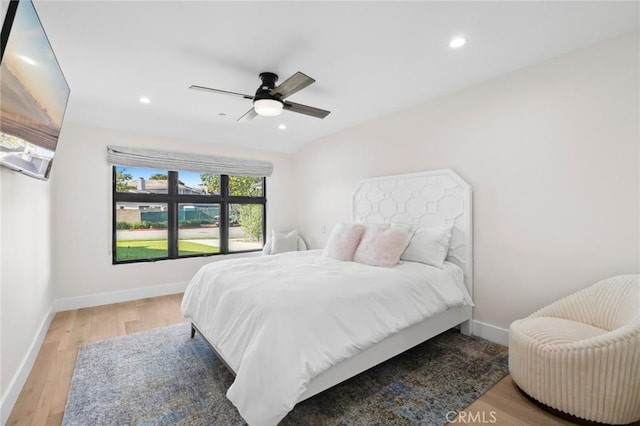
(172, 198)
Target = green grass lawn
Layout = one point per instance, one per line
(151, 249)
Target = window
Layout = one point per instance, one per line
(160, 214)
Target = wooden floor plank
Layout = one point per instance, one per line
(69, 324)
(125, 312)
(509, 407)
(54, 419)
(134, 326)
(103, 323)
(43, 408)
(81, 329)
(34, 387)
(57, 327)
(44, 396)
(61, 388)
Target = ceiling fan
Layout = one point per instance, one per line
(269, 99)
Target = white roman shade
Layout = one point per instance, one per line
(176, 161)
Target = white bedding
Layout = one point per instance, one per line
(279, 321)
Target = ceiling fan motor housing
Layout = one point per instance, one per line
(268, 82)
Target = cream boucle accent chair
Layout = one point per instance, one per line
(581, 354)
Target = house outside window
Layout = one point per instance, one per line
(160, 214)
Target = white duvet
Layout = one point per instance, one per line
(279, 321)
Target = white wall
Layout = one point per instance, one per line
(552, 154)
(82, 211)
(26, 294)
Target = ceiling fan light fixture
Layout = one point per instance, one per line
(268, 107)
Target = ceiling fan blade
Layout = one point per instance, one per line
(296, 82)
(307, 110)
(249, 115)
(222, 92)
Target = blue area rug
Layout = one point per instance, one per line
(162, 377)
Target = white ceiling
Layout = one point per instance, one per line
(369, 59)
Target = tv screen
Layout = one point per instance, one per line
(33, 93)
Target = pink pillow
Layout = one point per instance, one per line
(343, 241)
(382, 246)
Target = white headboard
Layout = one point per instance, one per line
(429, 199)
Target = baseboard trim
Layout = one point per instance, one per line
(68, 303)
(20, 377)
(491, 332)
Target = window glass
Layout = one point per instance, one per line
(247, 186)
(140, 180)
(194, 183)
(143, 202)
(141, 230)
(210, 183)
(198, 229)
(245, 227)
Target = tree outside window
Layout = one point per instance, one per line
(248, 216)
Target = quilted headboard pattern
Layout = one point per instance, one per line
(429, 199)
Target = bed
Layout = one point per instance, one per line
(294, 324)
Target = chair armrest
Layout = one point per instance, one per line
(608, 304)
(577, 307)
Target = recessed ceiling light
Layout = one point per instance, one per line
(144, 100)
(457, 42)
(282, 126)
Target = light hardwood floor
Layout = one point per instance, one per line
(44, 395)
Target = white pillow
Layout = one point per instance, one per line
(429, 245)
(411, 229)
(382, 245)
(282, 242)
(344, 240)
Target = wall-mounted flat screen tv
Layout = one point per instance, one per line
(33, 93)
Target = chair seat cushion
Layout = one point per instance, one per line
(552, 331)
